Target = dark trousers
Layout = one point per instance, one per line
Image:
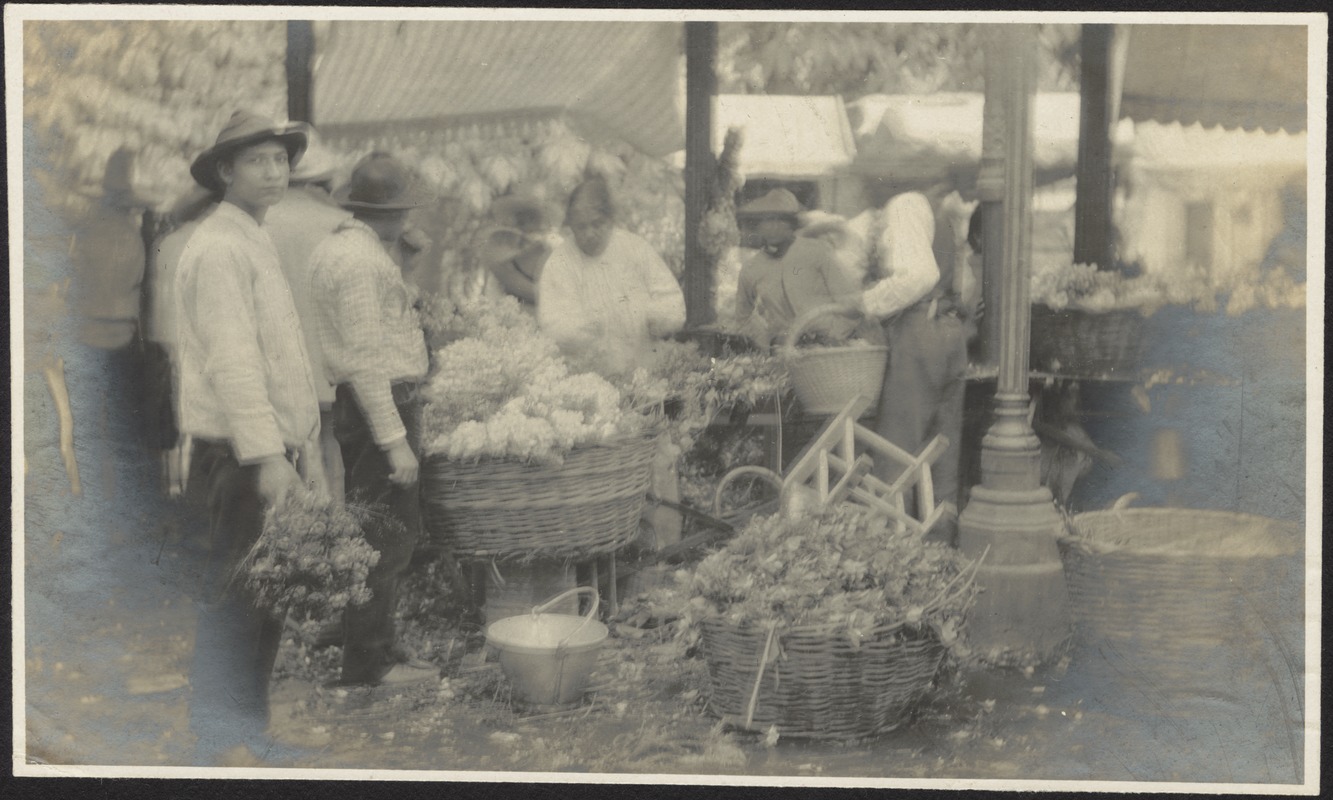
(369, 635)
(235, 643)
(923, 393)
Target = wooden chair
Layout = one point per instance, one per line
(836, 467)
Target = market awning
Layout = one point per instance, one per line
(621, 79)
(787, 136)
(1246, 76)
(920, 137)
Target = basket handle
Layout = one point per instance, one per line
(803, 321)
(592, 609)
(763, 472)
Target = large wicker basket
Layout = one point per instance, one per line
(816, 682)
(1173, 591)
(1073, 341)
(503, 508)
(826, 378)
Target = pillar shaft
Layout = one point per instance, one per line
(700, 166)
(1020, 615)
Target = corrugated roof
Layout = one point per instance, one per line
(622, 78)
(786, 135)
(1246, 76)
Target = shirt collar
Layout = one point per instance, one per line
(236, 214)
(354, 224)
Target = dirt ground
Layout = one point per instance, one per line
(109, 635)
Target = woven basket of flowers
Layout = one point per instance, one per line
(527, 455)
(825, 377)
(501, 507)
(831, 627)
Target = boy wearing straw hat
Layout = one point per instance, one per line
(375, 354)
(247, 401)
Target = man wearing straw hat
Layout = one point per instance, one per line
(789, 275)
(375, 354)
(247, 401)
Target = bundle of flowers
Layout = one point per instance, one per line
(162, 88)
(502, 389)
(1087, 288)
(843, 569)
(698, 387)
(311, 559)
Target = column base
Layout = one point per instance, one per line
(1021, 616)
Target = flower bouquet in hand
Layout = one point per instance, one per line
(311, 560)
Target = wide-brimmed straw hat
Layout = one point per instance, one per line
(242, 130)
(777, 203)
(381, 182)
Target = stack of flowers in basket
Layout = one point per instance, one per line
(500, 388)
(842, 569)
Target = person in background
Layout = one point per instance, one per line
(515, 246)
(179, 223)
(604, 294)
(109, 257)
(304, 218)
(790, 275)
(375, 353)
(247, 400)
(912, 294)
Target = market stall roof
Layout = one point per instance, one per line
(915, 137)
(1247, 76)
(786, 135)
(617, 78)
(1155, 145)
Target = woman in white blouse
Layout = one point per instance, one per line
(605, 294)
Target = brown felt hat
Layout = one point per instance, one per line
(381, 182)
(242, 130)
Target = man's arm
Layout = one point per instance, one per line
(908, 269)
(351, 296)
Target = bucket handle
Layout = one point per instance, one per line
(592, 610)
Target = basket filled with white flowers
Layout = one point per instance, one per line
(525, 458)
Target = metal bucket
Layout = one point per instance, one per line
(548, 658)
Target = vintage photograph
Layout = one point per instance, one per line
(755, 397)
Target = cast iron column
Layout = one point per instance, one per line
(300, 55)
(990, 193)
(700, 86)
(1020, 616)
(1092, 205)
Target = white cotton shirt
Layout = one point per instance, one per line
(244, 372)
(906, 271)
(608, 306)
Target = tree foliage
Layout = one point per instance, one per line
(856, 59)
